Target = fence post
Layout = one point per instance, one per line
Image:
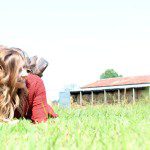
(80, 98)
(92, 98)
(118, 96)
(149, 91)
(133, 95)
(105, 96)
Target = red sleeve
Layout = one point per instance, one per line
(39, 108)
(51, 112)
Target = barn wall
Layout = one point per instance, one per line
(112, 96)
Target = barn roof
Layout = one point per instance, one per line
(120, 81)
(116, 83)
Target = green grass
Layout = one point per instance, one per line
(117, 127)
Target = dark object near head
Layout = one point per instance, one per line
(37, 66)
(33, 64)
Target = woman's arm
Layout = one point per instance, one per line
(40, 108)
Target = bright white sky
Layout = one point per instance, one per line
(79, 38)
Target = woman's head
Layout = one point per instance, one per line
(11, 65)
(23, 55)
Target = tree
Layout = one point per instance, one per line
(109, 73)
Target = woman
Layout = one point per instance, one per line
(21, 96)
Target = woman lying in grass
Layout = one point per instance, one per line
(21, 96)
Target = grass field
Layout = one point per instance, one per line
(115, 127)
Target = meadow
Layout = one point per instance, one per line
(112, 127)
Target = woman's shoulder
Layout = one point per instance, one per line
(33, 79)
(35, 85)
(33, 76)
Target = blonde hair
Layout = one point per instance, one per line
(13, 90)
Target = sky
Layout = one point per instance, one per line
(79, 38)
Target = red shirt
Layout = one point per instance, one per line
(38, 107)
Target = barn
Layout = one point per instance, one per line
(113, 90)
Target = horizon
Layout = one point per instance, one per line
(79, 39)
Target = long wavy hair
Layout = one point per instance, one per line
(13, 90)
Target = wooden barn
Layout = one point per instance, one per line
(113, 90)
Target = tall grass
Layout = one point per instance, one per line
(100, 127)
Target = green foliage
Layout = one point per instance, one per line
(109, 73)
(99, 127)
